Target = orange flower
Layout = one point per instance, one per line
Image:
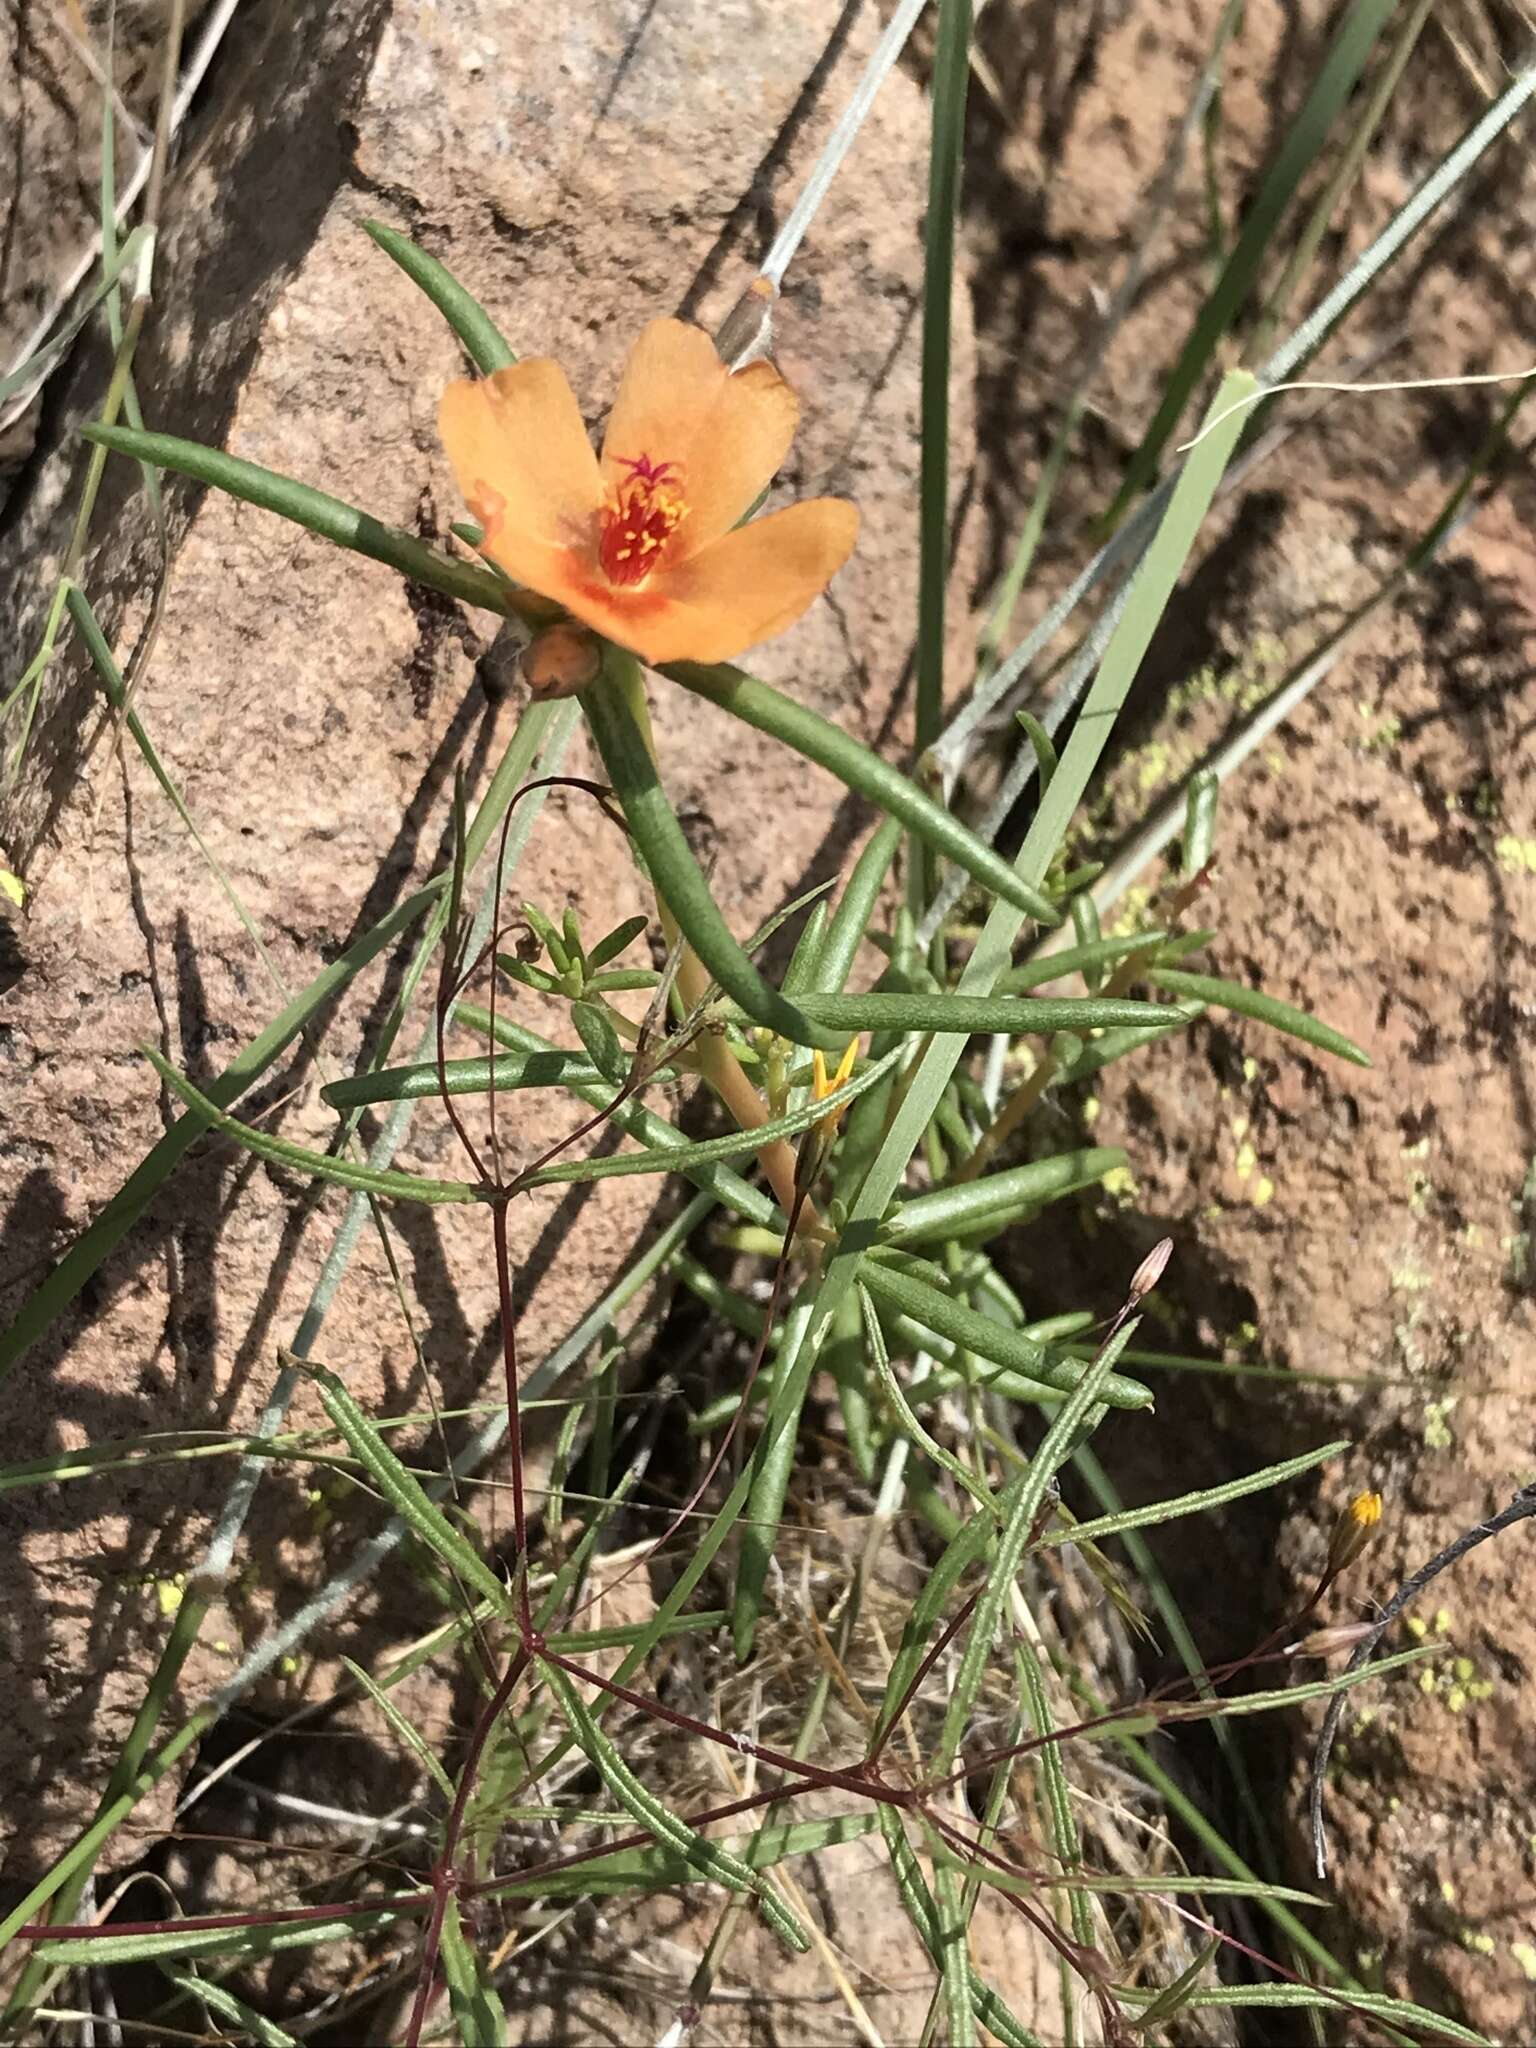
(644, 545)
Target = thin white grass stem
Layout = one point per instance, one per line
(1312, 332)
(191, 78)
(1167, 821)
(1151, 216)
(841, 140)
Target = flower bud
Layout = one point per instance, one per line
(1355, 1528)
(561, 660)
(1151, 1269)
(1328, 1642)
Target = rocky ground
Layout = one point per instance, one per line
(1367, 1232)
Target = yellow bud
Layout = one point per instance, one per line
(1353, 1531)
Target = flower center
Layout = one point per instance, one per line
(640, 517)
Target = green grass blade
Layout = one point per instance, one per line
(484, 343)
(819, 740)
(1252, 1002)
(315, 510)
(951, 75)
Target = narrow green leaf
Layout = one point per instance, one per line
(923, 1913)
(1397, 2012)
(595, 1028)
(1252, 1002)
(998, 1199)
(658, 1867)
(411, 1736)
(218, 1998)
(508, 1071)
(954, 1958)
(709, 1859)
(105, 1950)
(610, 707)
(618, 941)
(404, 1492)
(968, 1016)
(315, 510)
(911, 1428)
(1018, 1528)
(815, 737)
(686, 1157)
(1077, 960)
(954, 1319)
(1042, 746)
(851, 919)
(484, 343)
(1204, 1501)
(801, 973)
(477, 2011)
(347, 1173)
(1169, 2001)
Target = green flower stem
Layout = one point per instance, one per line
(329, 517)
(815, 737)
(621, 726)
(616, 712)
(484, 342)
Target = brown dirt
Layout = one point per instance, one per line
(1376, 864)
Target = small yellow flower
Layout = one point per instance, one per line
(821, 1087)
(1353, 1531)
(644, 544)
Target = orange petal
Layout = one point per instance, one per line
(726, 436)
(524, 464)
(747, 586)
